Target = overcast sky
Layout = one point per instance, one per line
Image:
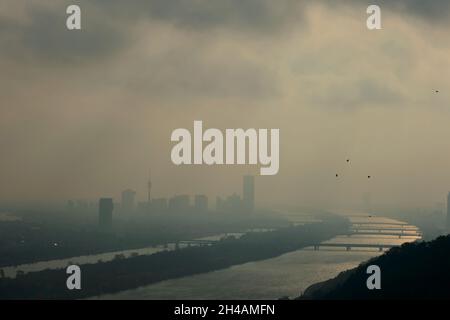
(86, 113)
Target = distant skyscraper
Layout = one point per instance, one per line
(105, 210)
(248, 198)
(201, 203)
(128, 200)
(448, 212)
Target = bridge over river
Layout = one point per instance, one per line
(349, 246)
(372, 227)
(372, 233)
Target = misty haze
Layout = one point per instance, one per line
(226, 149)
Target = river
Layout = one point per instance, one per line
(284, 276)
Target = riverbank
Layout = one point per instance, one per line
(287, 275)
(417, 270)
(123, 274)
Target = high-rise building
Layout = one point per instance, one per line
(248, 197)
(128, 200)
(448, 212)
(201, 203)
(105, 210)
(179, 203)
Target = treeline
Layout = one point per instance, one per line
(46, 236)
(123, 274)
(418, 270)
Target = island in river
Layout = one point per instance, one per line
(123, 274)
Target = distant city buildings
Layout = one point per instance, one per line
(201, 203)
(105, 210)
(128, 200)
(234, 203)
(159, 205)
(79, 205)
(179, 203)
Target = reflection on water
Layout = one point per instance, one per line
(62, 263)
(287, 275)
(108, 256)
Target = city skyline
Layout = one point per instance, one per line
(335, 89)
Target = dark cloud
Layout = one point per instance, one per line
(431, 11)
(45, 37)
(260, 16)
(255, 15)
(107, 24)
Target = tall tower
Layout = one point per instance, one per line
(448, 212)
(248, 197)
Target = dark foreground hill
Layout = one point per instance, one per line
(419, 270)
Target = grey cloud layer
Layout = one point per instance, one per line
(107, 22)
(43, 37)
(104, 101)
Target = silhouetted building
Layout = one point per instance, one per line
(219, 204)
(128, 200)
(159, 205)
(201, 203)
(105, 210)
(179, 203)
(248, 195)
(233, 204)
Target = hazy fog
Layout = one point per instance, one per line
(86, 113)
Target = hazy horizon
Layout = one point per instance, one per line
(87, 114)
